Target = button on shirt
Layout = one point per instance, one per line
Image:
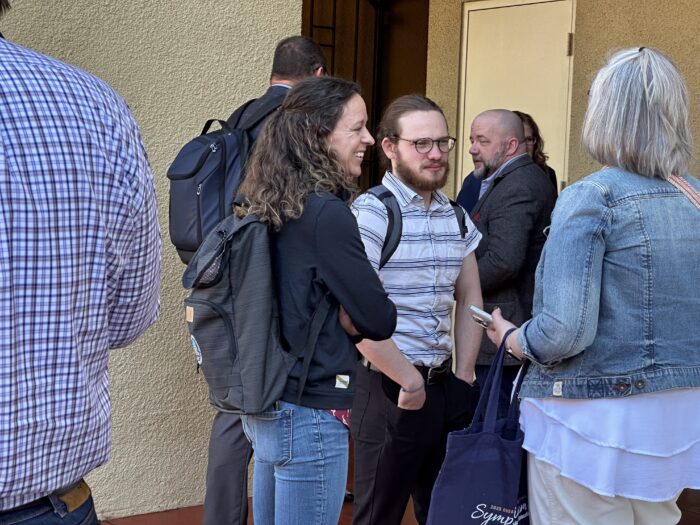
(421, 274)
(79, 267)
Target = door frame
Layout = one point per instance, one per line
(464, 127)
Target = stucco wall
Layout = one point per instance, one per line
(600, 25)
(442, 78)
(176, 63)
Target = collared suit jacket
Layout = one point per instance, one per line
(512, 216)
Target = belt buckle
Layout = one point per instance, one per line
(434, 372)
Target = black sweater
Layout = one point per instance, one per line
(322, 251)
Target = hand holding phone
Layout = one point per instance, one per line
(481, 317)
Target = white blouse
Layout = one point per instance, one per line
(644, 447)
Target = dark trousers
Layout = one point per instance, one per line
(226, 499)
(508, 377)
(398, 453)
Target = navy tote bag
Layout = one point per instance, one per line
(483, 478)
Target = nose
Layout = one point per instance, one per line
(367, 137)
(435, 153)
(473, 150)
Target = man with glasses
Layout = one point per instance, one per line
(399, 451)
(515, 202)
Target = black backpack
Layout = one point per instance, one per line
(394, 227)
(233, 318)
(205, 175)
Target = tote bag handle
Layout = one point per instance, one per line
(487, 408)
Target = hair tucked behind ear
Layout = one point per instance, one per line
(292, 156)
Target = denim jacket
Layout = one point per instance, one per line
(616, 309)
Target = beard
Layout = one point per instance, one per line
(490, 166)
(415, 180)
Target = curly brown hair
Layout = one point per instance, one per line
(292, 155)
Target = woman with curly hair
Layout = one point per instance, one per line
(299, 178)
(535, 145)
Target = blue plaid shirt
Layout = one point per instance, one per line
(79, 266)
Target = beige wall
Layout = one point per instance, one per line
(176, 63)
(600, 25)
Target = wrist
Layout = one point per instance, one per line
(510, 344)
(468, 375)
(413, 388)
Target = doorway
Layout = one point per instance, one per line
(518, 55)
(380, 44)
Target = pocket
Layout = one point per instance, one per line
(391, 389)
(213, 342)
(417, 426)
(463, 399)
(360, 405)
(367, 417)
(271, 436)
(453, 257)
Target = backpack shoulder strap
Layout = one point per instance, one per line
(395, 225)
(317, 321)
(459, 213)
(236, 119)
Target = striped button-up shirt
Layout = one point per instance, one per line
(420, 276)
(79, 266)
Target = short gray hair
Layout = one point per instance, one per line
(637, 117)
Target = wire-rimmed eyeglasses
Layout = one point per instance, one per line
(425, 145)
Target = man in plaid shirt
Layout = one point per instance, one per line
(79, 274)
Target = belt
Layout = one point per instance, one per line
(73, 497)
(431, 374)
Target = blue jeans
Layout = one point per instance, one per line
(301, 463)
(51, 511)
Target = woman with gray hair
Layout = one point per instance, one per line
(614, 342)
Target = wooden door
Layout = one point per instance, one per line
(380, 44)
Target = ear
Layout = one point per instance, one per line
(512, 147)
(389, 148)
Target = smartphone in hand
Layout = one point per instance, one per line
(480, 316)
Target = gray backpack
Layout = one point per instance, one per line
(233, 319)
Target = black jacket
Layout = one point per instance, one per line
(512, 216)
(274, 96)
(322, 251)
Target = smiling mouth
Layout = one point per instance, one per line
(360, 154)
